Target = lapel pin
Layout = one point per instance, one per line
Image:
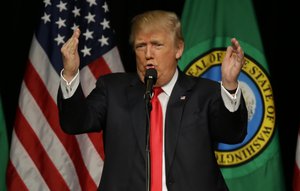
(182, 98)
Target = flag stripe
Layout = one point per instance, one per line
(87, 79)
(17, 184)
(23, 167)
(28, 138)
(44, 68)
(47, 105)
(91, 157)
(56, 151)
(95, 137)
(298, 150)
(112, 59)
(296, 181)
(296, 178)
(99, 67)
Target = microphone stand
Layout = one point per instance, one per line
(148, 106)
(150, 79)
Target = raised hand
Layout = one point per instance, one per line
(70, 56)
(232, 65)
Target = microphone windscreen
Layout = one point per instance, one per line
(151, 73)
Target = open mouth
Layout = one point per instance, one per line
(149, 66)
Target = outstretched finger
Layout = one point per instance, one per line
(73, 38)
(229, 52)
(70, 47)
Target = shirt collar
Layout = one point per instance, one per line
(169, 86)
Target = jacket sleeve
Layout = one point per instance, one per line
(228, 127)
(79, 114)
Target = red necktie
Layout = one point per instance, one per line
(156, 141)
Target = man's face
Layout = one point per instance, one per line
(157, 49)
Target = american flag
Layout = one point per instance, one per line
(42, 156)
(296, 178)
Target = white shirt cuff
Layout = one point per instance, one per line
(68, 88)
(231, 101)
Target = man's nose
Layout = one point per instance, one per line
(148, 51)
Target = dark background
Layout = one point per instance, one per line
(278, 27)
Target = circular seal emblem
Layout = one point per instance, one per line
(258, 95)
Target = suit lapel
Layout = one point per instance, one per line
(135, 94)
(179, 96)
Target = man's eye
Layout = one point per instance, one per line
(158, 45)
(139, 46)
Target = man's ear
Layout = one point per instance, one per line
(180, 48)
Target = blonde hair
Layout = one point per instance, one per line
(156, 19)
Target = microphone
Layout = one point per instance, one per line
(150, 80)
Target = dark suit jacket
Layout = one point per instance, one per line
(192, 128)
